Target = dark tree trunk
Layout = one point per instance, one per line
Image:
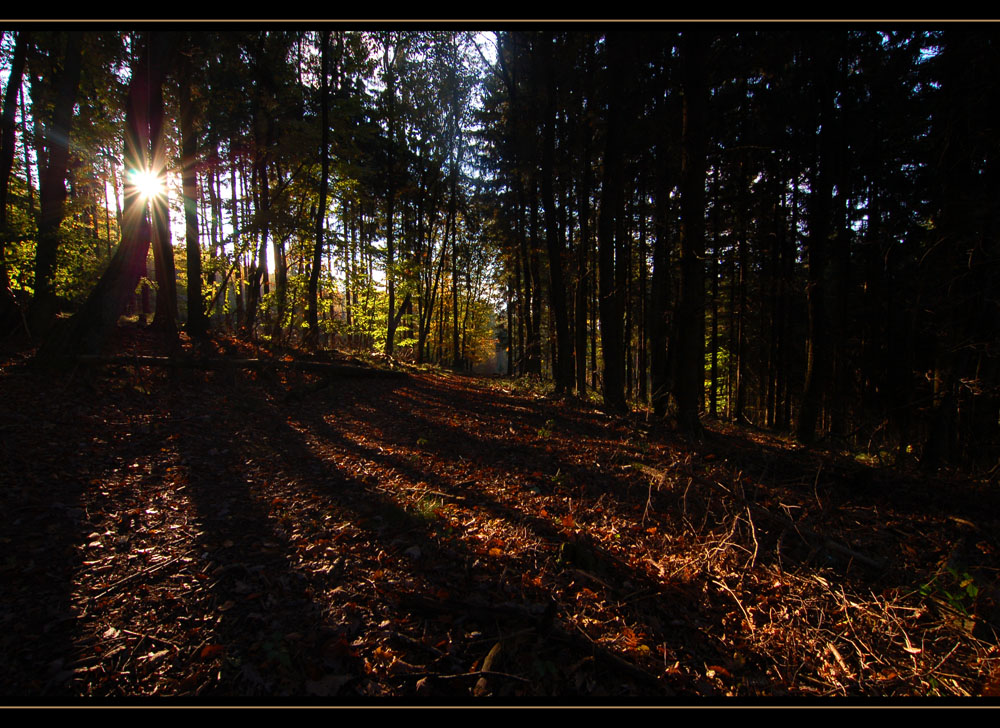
(819, 357)
(743, 210)
(713, 396)
(165, 318)
(690, 385)
(390, 208)
(89, 329)
(612, 194)
(657, 328)
(7, 144)
(563, 364)
(9, 318)
(52, 186)
(312, 305)
(582, 275)
(642, 364)
(258, 269)
(197, 326)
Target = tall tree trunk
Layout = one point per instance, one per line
(535, 265)
(8, 312)
(819, 357)
(582, 274)
(312, 304)
(7, 144)
(89, 329)
(713, 397)
(52, 187)
(657, 328)
(563, 364)
(690, 385)
(642, 365)
(165, 317)
(390, 207)
(197, 326)
(261, 196)
(612, 336)
(742, 244)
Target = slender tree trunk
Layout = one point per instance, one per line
(642, 366)
(258, 269)
(8, 313)
(582, 275)
(528, 342)
(535, 265)
(690, 386)
(7, 145)
(743, 210)
(52, 187)
(563, 364)
(390, 207)
(312, 305)
(819, 358)
(713, 396)
(197, 326)
(656, 323)
(611, 202)
(165, 317)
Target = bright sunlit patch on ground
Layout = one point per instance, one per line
(148, 184)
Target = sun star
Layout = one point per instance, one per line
(148, 184)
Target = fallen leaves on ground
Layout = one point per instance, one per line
(202, 533)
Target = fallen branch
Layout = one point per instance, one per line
(142, 572)
(474, 673)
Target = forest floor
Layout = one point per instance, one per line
(437, 536)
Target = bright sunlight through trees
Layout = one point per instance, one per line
(148, 184)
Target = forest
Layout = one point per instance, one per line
(658, 361)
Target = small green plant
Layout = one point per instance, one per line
(958, 590)
(421, 441)
(429, 509)
(546, 430)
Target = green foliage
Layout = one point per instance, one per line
(80, 257)
(956, 588)
(546, 431)
(428, 508)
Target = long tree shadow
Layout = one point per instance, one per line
(76, 489)
(266, 622)
(43, 475)
(393, 452)
(263, 548)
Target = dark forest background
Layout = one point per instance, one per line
(790, 227)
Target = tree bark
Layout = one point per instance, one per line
(89, 329)
(165, 318)
(563, 364)
(819, 356)
(52, 188)
(312, 304)
(7, 142)
(611, 202)
(690, 385)
(8, 314)
(197, 325)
